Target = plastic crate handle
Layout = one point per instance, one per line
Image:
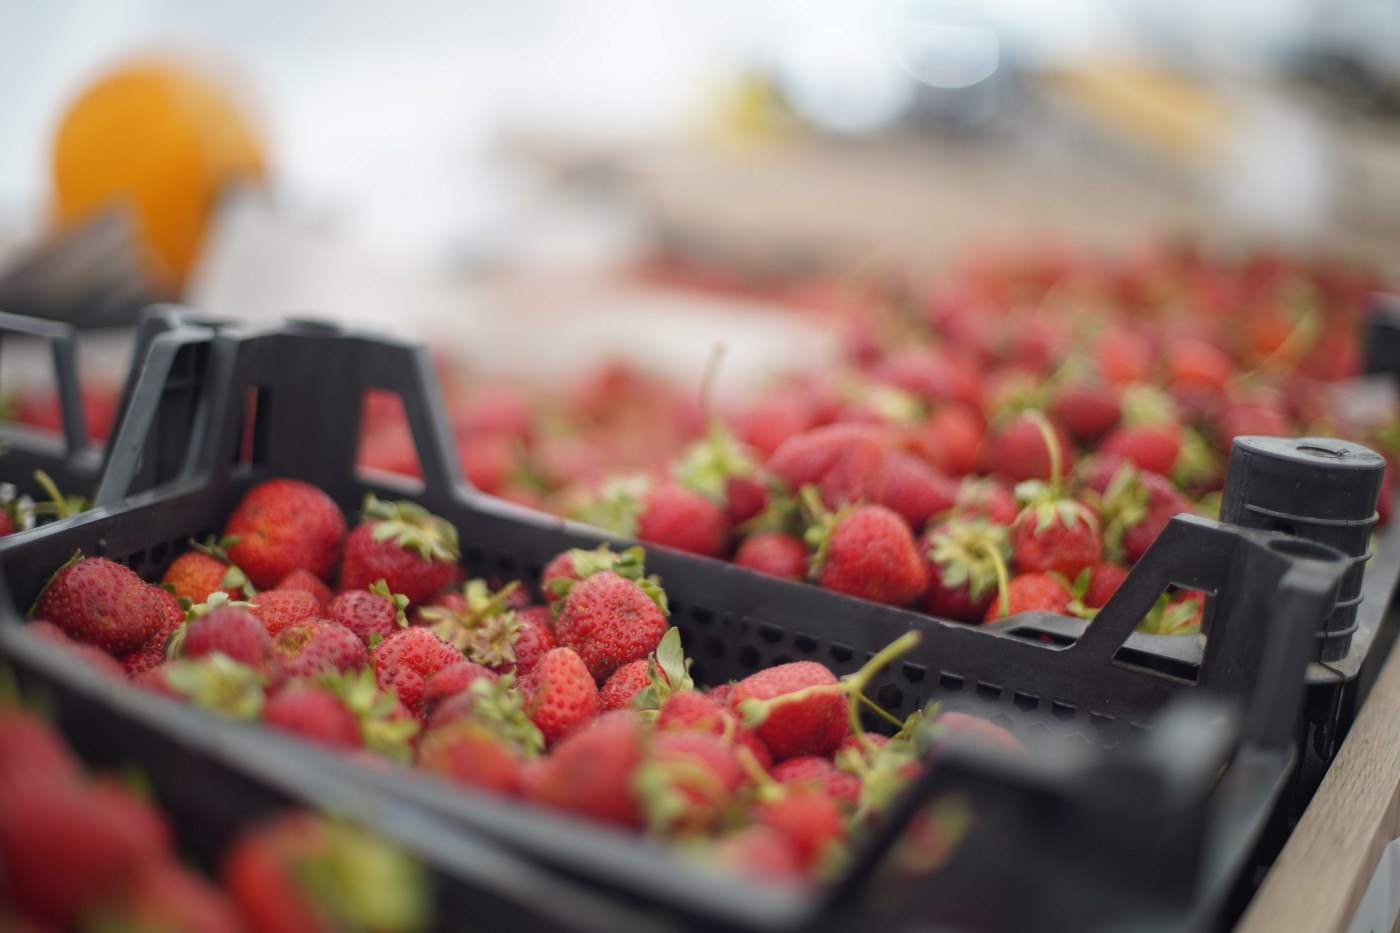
(63, 343)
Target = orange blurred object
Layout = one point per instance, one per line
(165, 140)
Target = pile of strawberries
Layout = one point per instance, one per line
(91, 854)
(581, 703)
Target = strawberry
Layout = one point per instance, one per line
(451, 681)
(404, 661)
(914, 490)
(774, 553)
(315, 714)
(951, 438)
(610, 620)
(759, 851)
(535, 638)
(214, 683)
(768, 422)
(1134, 506)
(1086, 409)
(810, 820)
(197, 574)
(413, 551)
(303, 874)
(477, 622)
(590, 773)
(720, 693)
(152, 653)
(231, 631)
(307, 582)
(966, 557)
(821, 774)
(813, 725)
(932, 374)
(622, 687)
(560, 694)
(1151, 447)
(163, 896)
(868, 551)
(309, 649)
(845, 462)
(687, 781)
(1124, 356)
(723, 469)
(90, 655)
(467, 753)
(566, 569)
(97, 601)
(65, 847)
(964, 728)
(1104, 580)
(985, 498)
(284, 525)
(1179, 615)
(370, 613)
(661, 512)
(1054, 533)
(1197, 364)
(1031, 592)
(33, 748)
(279, 610)
(686, 709)
(1021, 449)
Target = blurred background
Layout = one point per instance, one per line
(542, 183)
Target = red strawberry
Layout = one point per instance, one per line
(984, 498)
(720, 693)
(309, 649)
(951, 438)
(774, 553)
(1104, 580)
(370, 613)
(467, 753)
(933, 374)
(284, 525)
(590, 773)
(413, 551)
(1152, 447)
(1196, 363)
(810, 819)
(688, 780)
(610, 620)
(560, 694)
(302, 874)
(33, 748)
(686, 709)
(1087, 410)
(279, 610)
(661, 512)
(479, 623)
(314, 713)
(623, 686)
(845, 461)
(535, 638)
(196, 575)
(403, 663)
(90, 655)
(97, 601)
(1124, 356)
(152, 653)
(1134, 506)
(566, 569)
(230, 631)
(915, 490)
(1032, 592)
(164, 896)
(766, 423)
(1054, 533)
(307, 582)
(821, 774)
(813, 725)
(451, 682)
(759, 852)
(868, 551)
(1020, 450)
(66, 846)
(966, 558)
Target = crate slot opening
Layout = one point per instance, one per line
(386, 442)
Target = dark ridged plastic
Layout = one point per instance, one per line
(1121, 823)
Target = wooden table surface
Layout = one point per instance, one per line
(1328, 862)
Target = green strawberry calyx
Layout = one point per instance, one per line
(400, 601)
(1044, 503)
(1123, 505)
(413, 528)
(499, 707)
(486, 630)
(362, 881)
(668, 670)
(708, 465)
(218, 684)
(971, 553)
(629, 564)
(616, 507)
(821, 523)
(234, 578)
(1173, 617)
(385, 726)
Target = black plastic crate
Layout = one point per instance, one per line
(1125, 830)
(170, 343)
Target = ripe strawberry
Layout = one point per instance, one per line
(933, 374)
(1086, 409)
(152, 653)
(810, 819)
(720, 692)
(1054, 533)
(1134, 506)
(566, 569)
(1151, 447)
(466, 752)
(309, 649)
(534, 640)
(658, 511)
(821, 774)
(914, 490)
(590, 774)
(230, 631)
(315, 714)
(97, 601)
(687, 781)
(1020, 449)
(307, 582)
(284, 525)
(163, 896)
(477, 622)
(1104, 580)
(560, 694)
(686, 709)
(951, 438)
(1032, 592)
(965, 558)
(767, 422)
(197, 574)
(66, 846)
(370, 613)
(303, 874)
(610, 620)
(91, 655)
(622, 687)
(868, 551)
(413, 551)
(33, 748)
(404, 661)
(759, 852)
(1124, 356)
(774, 553)
(813, 725)
(451, 681)
(279, 610)
(844, 461)
(1198, 364)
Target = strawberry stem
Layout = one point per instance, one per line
(1052, 445)
(1003, 577)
